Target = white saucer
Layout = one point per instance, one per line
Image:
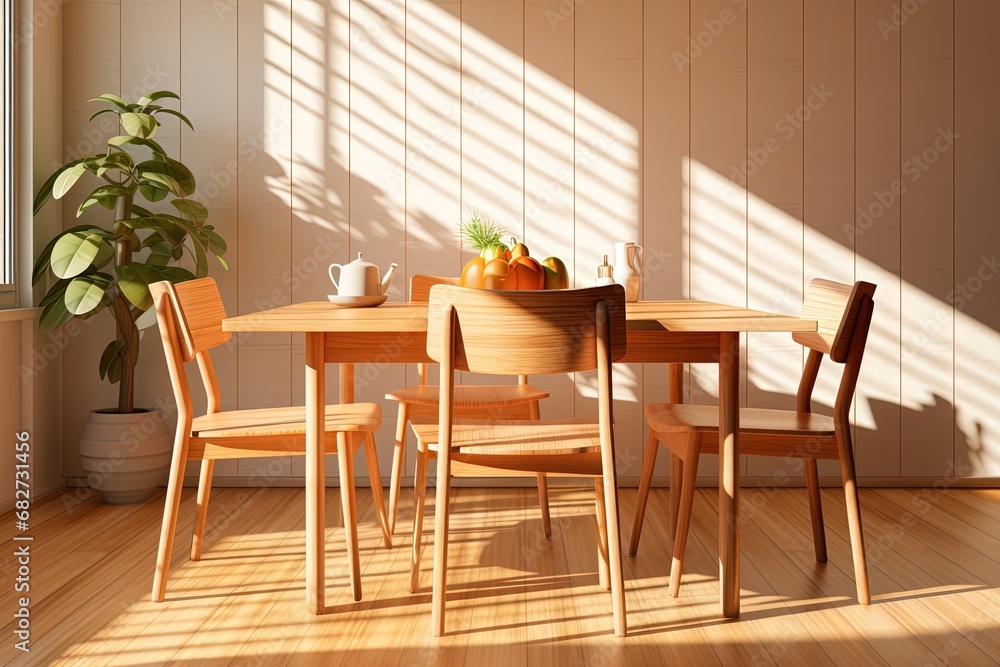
(357, 301)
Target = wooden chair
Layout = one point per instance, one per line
(844, 314)
(532, 332)
(190, 317)
(518, 401)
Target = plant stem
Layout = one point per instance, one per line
(128, 333)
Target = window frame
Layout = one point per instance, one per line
(8, 278)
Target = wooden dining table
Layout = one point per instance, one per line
(675, 332)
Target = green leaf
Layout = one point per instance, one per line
(167, 173)
(140, 212)
(106, 195)
(175, 274)
(84, 293)
(98, 113)
(191, 209)
(110, 352)
(141, 125)
(178, 114)
(43, 258)
(46, 190)
(67, 179)
(55, 293)
(123, 140)
(54, 315)
(151, 192)
(216, 244)
(159, 254)
(224, 263)
(116, 159)
(104, 255)
(109, 97)
(115, 370)
(158, 95)
(134, 280)
(74, 252)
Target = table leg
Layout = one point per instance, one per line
(729, 462)
(315, 474)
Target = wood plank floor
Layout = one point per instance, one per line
(515, 598)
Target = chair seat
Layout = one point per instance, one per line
(472, 396)
(284, 421)
(530, 446)
(667, 417)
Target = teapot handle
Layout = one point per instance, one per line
(332, 279)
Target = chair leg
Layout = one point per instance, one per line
(543, 482)
(684, 513)
(676, 482)
(850, 481)
(398, 454)
(171, 507)
(815, 509)
(614, 549)
(603, 563)
(371, 458)
(543, 504)
(419, 501)
(441, 512)
(645, 481)
(345, 459)
(204, 491)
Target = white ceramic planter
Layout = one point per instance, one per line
(126, 456)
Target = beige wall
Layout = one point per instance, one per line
(748, 146)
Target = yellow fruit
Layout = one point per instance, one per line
(472, 274)
(556, 273)
(519, 250)
(498, 251)
(527, 272)
(495, 274)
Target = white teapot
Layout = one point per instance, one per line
(361, 278)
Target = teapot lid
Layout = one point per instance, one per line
(361, 260)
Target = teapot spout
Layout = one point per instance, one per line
(387, 279)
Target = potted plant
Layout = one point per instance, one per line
(111, 267)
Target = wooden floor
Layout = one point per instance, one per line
(516, 598)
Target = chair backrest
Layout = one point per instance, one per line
(420, 286)
(835, 306)
(198, 313)
(190, 317)
(526, 332)
(843, 313)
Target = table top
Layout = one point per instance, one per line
(685, 315)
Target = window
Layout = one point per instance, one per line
(7, 151)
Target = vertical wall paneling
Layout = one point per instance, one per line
(433, 167)
(320, 182)
(750, 146)
(264, 223)
(777, 109)
(926, 236)
(82, 79)
(208, 90)
(548, 155)
(608, 113)
(828, 163)
(377, 154)
(665, 137)
(717, 220)
(977, 241)
(877, 238)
